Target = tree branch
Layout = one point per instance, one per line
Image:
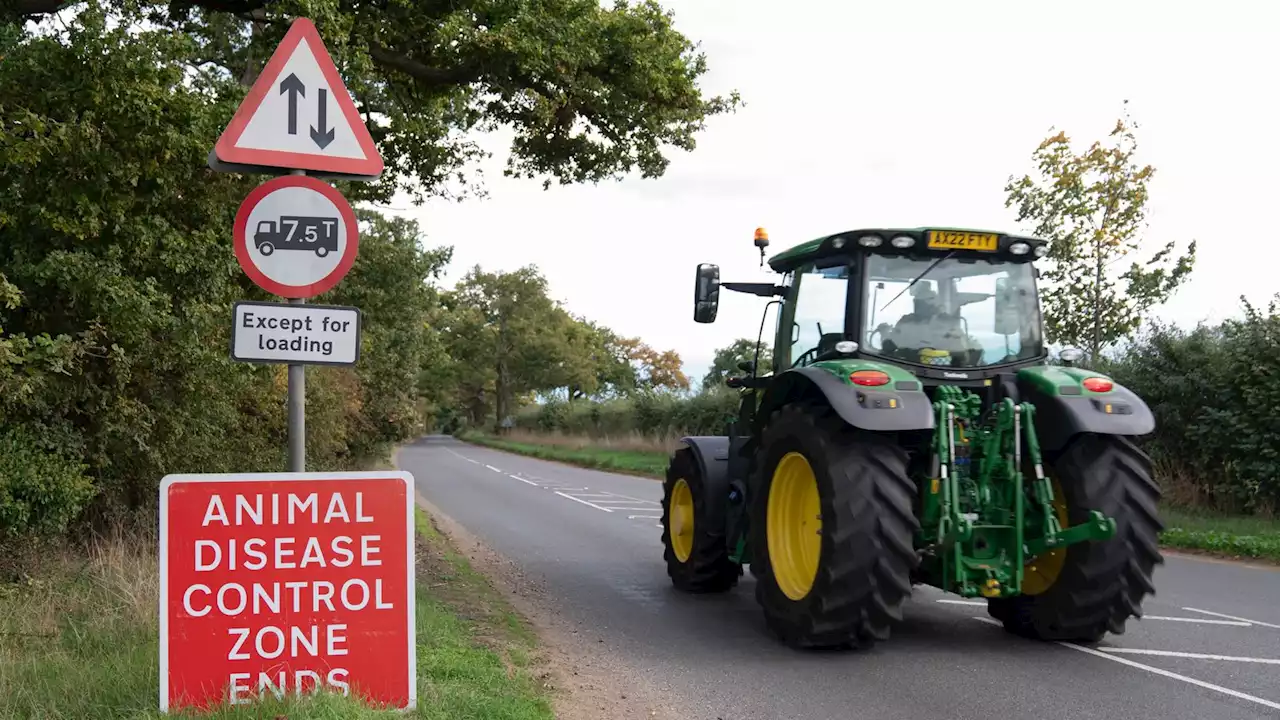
(25, 8)
(425, 75)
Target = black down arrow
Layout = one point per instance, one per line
(322, 137)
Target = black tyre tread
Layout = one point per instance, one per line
(709, 568)
(868, 557)
(1102, 584)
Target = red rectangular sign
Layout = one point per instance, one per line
(287, 583)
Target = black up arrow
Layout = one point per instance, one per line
(294, 87)
(322, 137)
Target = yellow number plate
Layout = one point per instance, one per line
(950, 240)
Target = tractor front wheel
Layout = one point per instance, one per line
(1087, 589)
(832, 527)
(693, 528)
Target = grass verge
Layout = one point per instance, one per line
(1254, 538)
(649, 463)
(79, 639)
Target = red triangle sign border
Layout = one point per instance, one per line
(226, 151)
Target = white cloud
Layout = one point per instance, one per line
(873, 114)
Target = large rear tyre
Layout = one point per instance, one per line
(693, 528)
(832, 530)
(1085, 590)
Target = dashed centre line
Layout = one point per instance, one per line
(599, 500)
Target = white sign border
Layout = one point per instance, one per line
(268, 361)
(170, 480)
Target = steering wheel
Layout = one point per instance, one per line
(801, 360)
(882, 330)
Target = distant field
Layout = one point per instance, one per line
(1255, 538)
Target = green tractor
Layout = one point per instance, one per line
(912, 431)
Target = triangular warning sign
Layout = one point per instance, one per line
(299, 115)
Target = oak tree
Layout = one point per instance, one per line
(587, 91)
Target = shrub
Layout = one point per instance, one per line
(1213, 391)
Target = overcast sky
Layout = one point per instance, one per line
(875, 114)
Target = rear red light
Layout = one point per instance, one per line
(868, 378)
(1097, 384)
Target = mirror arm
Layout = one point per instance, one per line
(760, 289)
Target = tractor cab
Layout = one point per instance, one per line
(946, 304)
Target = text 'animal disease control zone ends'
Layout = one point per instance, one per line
(286, 583)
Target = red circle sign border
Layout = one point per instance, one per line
(241, 240)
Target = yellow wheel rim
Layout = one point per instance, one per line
(794, 526)
(1045, 568)
(680, 513)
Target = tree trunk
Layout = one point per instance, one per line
(502, 384)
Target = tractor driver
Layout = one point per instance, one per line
(926, 327)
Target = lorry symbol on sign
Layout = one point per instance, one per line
(294, 232)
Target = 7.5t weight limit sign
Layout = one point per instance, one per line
(296, 236)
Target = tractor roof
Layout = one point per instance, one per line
(924, 242)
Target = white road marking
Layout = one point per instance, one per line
(632, 509)
(1190, 655)
(584, 502)
(517, 477)
(464, 457)
(1176, 676)
(493, 468)
(598, 495)
(1202, 621)
(962, 602)
(635, 499)
(1233, 617)
(1159, 671)
(645, 517)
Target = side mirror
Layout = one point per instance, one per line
(706, 293)
(747, 366)
(1007, 318)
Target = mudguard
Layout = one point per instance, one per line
(1065, 407)
(712, 455)
(899, 405)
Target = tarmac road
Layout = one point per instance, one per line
(1209, 648)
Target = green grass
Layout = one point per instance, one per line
(79, 638)
(1216, 534)
(635, 462)
(1244, 537)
